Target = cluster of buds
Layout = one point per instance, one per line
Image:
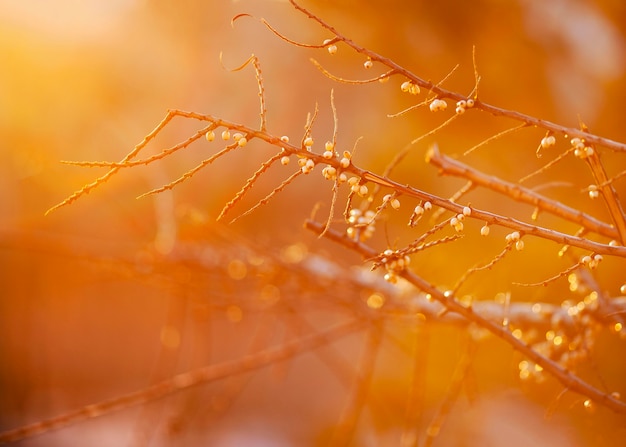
(438, 105)
(569, 340)
(410, 87)
(464, 104)
(240, 139)
(591, 262)
(457, 222)
(285, 159)
(307, 143)
(530, 371)
(332, 48)
(392, 201)
(361, 224)
(515, 237)
(418, 212)
(330, 173)
(356, 186)
(394, 262)
(581, 150)
(306, 164)
(329, 150)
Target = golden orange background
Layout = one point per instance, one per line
(98, 299)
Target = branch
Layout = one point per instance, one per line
(444, 93)
(451, 304)
(448, 166)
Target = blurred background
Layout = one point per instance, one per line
(110, 294)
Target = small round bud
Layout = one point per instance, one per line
(242, 141)
(589, 406)
(332, 49)
(470, 103)
(428, 206)
(226, 135)
(460, 110)
(437, 105)
(512, 237)
(467, 211)
(484, 231)
(308, 142)
(284, 139)
(548, 142)
(329, 172)
(308, 166)
(210, 135)
(391, 278)
(368, 64)
(284, 160)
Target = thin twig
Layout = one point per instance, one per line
(249, 184)
(100, 180)
(265, 200)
